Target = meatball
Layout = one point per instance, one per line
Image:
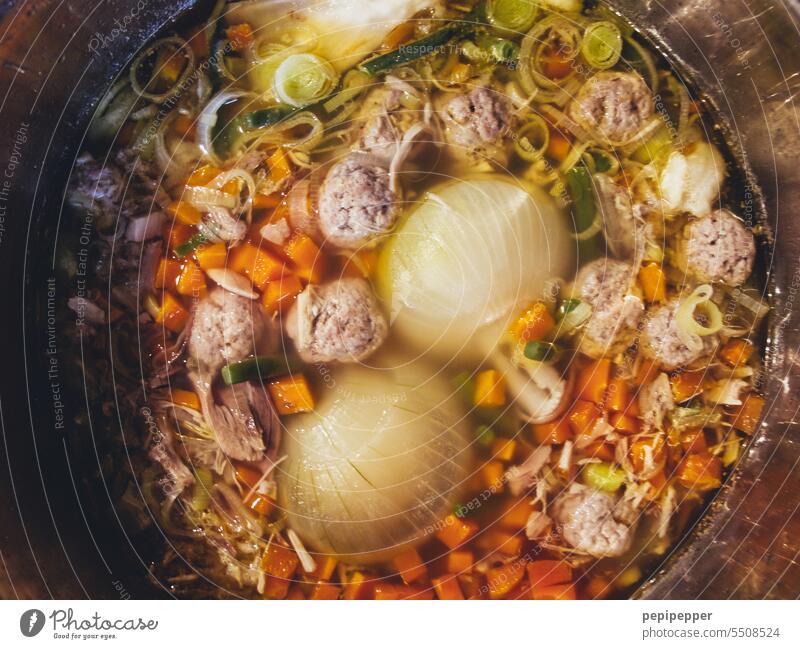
(588, 523)
(614, 106)
(357, 203)
(338, 321)
(605, 285)
(477, 118)
(719, 248)
(226, 329)
(662, 340)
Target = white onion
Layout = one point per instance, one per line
(204, 198)
(470, 253)
(378, 464)
(207, 120)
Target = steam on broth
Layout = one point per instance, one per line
(431, 299)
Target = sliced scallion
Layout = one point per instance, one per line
(259, 367)
(188, 247)
(537, 350)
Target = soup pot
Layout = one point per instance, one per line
(60, 534)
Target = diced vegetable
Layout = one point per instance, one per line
(645, 454)
(747, 416)
(700, 472)
(545, 573)
(191, 281)
(410, 566)
(184, 212)
(490, 389)
(211, 256)
(291, 395)
(536, 350)
(492, 476)
(359, 587)
(456, 531)
(447, 587)
(186, 248)
(600, 450)
(258, 368)
(618, 395)
(502, 541)
(306, 257)
(516, 516)
(624, 423)
(167, 273)
(552, 432)
(503, 449)
(593, 381)
(185, 398)
(459, 561)
(279, 561)
(501, 580)
(582, 417)
(172, 314)
(559, 591)
(240, 36)
(385, 591)
(603, 476)
(281, 292)
(535, 323)
(736, 352)
(324, 590)
(654, 283)
(260, 503)
(276, 588)
(260, 265)
(694, 441)
(280, 167)
(558, 146)
(686, 385)
(203, 175)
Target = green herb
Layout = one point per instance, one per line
(537, 350)
(258, 368)
(188, 247)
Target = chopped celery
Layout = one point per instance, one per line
(603, 476)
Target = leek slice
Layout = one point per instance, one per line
(303, 79)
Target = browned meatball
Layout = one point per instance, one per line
(477, 118)
(719, 248)
(605, 284)
(338, 321)
(357, 203)
(588, 522)
(614, 106)
(226, 329)
(662, 341)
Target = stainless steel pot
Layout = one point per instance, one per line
(59, 534)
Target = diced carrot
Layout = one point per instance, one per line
(172, 314)
(492, 476)
(325, 590)
(211, 256)
(184, 212)
(582, 417)
(260, 265)
(240, 37)
(291, 394)
(295, 593)
(460, 72)
(260, 503)
(191, 281)
(600, 450)
(694, 441)
(276, 588)
(501, 580)
(657, 483)
(685, 385)
(233, 187)
(618, 395)
(306, 257)
(326, 564)
(203, 175)
(516, 516)
(559, 591)
(410, 566)
(496, 540)
(535, 323)
(177, 233)
(456, 531)
(503, 449)
(280, 293)
(247, 475)
(624, 423)
(359, 587)
(558, 146)
(593, 381)
(186, 398)
(654, 283)
(490, 389)
(552, 432)
(459, 561)
(279, 562)
(447, 587)
(280, 167)
(167, 273)
(266, 201)
(646, 372)
(700, 471)
(644, 449)
(361, 263)
(736, 352)
(473, 585)
(386, 591)
(549, 573)
(747, 416)
(597, 587)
